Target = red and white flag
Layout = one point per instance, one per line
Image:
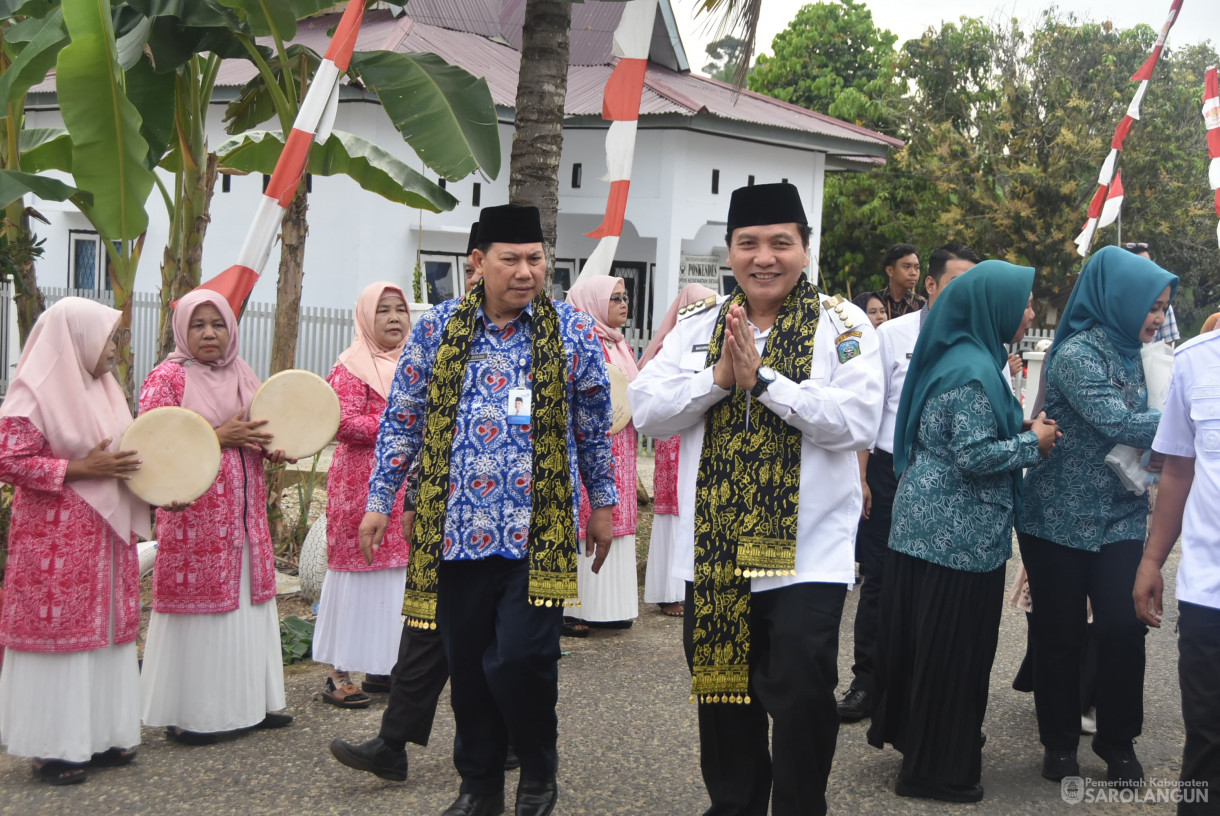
(314, 122)
(1211, 117)
(1114, 202)
(1106, 203)
(621, 106)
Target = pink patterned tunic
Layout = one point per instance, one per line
(57, 581)
(347, 484)
(665, 477)
(622, 445)
(199, 551)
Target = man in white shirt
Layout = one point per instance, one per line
(1189, 506)
(897, 340)
(772, 390)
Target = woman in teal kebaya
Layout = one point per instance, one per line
(1081, 531)
(958, 446)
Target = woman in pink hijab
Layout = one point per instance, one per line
(69, 690)
(610, 598)
(212, 662)
(660, 587)
(360, 614)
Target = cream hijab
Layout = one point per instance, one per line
(55, 389)
(365, 357)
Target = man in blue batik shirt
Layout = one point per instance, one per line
(495, 541)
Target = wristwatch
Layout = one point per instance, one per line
(763, 378)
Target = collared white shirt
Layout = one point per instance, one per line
(1190, 427)
(837, 409)
(897, 339)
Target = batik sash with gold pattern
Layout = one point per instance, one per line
(552, 534)
(746, 499)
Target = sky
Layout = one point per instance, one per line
(1199, 20)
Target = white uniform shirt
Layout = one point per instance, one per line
(897, 340)
(837, 410)
(1190, 427)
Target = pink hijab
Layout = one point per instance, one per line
(218, 390)
(55, 389)
(690, 293)
(591, 294)
(365, 358)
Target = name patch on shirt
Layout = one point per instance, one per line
(699, 347)
(478, 357)
(848, 349)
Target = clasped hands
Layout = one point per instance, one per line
(739, 358)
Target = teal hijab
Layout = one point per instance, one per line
(1115, 290)
(965, 338)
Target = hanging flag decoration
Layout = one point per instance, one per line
(1114, 202)
(1211, 117)
(314, 122)
(1106, 177)
(621, 107)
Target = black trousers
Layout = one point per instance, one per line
(503, 657)
(1198, 668)
(1060, 581)
(872, 543)
(794, 649)
(416, 683)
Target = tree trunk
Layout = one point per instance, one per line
(181, 265)
(538, 133)
(29, 301)
(293, 229)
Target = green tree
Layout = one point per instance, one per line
(724, 55)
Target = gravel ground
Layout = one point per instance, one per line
(628, 745)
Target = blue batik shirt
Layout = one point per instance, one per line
(488, 510)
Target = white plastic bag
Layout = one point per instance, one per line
(1125, 460)
(1158, 370)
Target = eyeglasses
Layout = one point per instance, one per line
(620, 299)
(1138, 247)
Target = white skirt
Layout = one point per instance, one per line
(214, 672)
(612, 594)
(360, 620)
(71, 705)
(660, 585)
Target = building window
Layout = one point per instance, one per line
(749, 181)
(785, 181)
(266, 181)
(88, 264)
(476, 195)
(441, 182)
(309, 182)
(715, 182)
(225, 180)
(576, 175)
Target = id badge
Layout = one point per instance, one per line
(517, 412)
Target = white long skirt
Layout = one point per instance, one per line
(360, 620)
(214, 672)
(613, 593)
(70, 705)
(660, 585)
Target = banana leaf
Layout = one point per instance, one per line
(40, 42)
(13, 185)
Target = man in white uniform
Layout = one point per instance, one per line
(897, 339)
(772, 389)
(1189, 506)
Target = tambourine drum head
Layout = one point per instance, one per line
(179, 453)
(302, 412)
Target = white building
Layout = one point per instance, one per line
(697, 142)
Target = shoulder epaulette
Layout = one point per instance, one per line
(837, 310)
(697, 307)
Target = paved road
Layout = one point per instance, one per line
(628, 745)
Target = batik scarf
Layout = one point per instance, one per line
(746, 501)
(552, 532)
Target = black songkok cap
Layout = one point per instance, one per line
(510, 224)
(765, 204)
(473, 241)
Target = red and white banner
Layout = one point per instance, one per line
(1211, 117)
(313, 124)
(621, 107)
(1103, 197)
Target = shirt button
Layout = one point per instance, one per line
(521, 361)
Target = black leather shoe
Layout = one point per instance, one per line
(923, 789)
(1058, 763)
(470, 805)
(373, 756)
(535, 797)
(1122, 766)
(275, 721)
(855, 705)
(511, 761)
